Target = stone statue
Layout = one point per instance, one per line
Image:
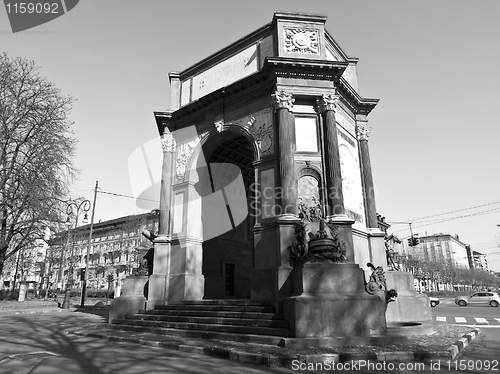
(145, 259)
(389, 252)
(377, 284)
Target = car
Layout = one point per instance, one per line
(479, 298)
(434, 301)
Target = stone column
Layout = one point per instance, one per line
(271, 274)
(375, 235)
(158, 281)
(363, 132)
(283, 103)
(168, 145)
(333, 175)
(335, 211)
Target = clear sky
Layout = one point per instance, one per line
(434, 65)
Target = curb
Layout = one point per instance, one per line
(10, 312)
(291, 361)
(463, 342)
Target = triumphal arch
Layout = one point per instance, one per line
(265, 148)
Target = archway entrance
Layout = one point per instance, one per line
(228, 259)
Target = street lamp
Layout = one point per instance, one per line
(85, 207)
(86, 275)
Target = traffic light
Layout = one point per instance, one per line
(82, 275)
(416, 240)
(410, 242)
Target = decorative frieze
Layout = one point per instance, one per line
(282, 100)
(300, 40)
(168, 143)
(262, 132)
(362, 131)
(327, 102)
(184, 153)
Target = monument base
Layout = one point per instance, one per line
(133, 299)
(332, 302)
(409, 306)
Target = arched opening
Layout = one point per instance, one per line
(228, 257)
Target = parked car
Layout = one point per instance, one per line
(434, 301)
(479, 298)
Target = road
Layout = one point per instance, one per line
(478, 316)
(40, 344)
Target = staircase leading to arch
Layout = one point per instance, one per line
(233, 320)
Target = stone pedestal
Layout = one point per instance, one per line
(133, 297)
(271, 279)
(23, 287)
(331, 301)
(410, 306)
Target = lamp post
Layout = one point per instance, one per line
(85, 207)
(86, 276)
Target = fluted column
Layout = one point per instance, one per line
(168, 145)
(362, 133)
(283, 103)
(333, 174)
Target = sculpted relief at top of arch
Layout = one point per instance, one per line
(258, 124)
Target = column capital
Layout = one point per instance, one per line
(327, 102)
(282, 100)
(168, 142)
(362, 130)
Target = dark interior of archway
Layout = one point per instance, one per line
(237, 151)
(228, 259)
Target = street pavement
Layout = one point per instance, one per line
(475, 316)
(41, 343)
(39, 340)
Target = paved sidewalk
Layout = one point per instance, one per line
(30, 306)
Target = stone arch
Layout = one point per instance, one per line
(220, 199)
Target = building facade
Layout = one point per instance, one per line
(114, 248)
(26, 265)
(444, 248)
(480, 260)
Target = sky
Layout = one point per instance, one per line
(434, 65)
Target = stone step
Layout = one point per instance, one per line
(237, 302)
(196, 334)
(218, 307)
(236, 329)
(214, 313)
(241, 320)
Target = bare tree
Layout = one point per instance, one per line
(36, 150)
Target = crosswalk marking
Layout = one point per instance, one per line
(469, 320)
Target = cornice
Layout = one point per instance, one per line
(304, 68)
(301, 17)
(162, 119)
(277, 67)
(215, 97)
(360, 105)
